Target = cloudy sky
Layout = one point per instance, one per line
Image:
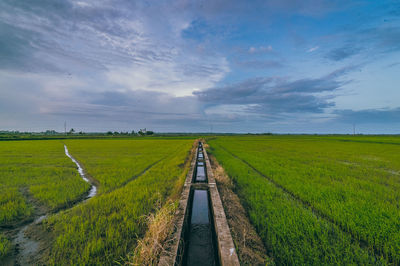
(282, 66)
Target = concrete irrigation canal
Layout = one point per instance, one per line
(202, 235)
(27, 248)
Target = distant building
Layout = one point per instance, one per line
(143, 131)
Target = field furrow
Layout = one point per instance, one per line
(291, 232)
(362, 201)
(106, 228)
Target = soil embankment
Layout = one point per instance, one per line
(249, 246)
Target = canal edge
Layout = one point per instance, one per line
(172, 254)
(226, 248)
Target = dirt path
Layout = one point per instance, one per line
(25, 239)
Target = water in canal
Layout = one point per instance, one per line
(200, 240)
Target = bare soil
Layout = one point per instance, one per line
(249, 246)
(25, 248)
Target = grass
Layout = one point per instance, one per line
(114, 163)
(135, 177)
(319, 200)
(313, 199)
(34, 173)
(38, 170)
(5, 246)
(161, 224)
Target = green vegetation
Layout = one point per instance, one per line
(12, 205)
(35, 171)
(135, 176)
(319, 200)
(313, 199)
(5, 246)
(116, 162)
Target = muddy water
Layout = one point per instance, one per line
(26, 248)
(200, 241)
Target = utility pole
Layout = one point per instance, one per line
(354, 129)
(65, 127)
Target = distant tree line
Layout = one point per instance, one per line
(141, 132)
(72, 131)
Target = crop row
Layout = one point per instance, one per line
(35, 171)
(135, 177)
(355, 185)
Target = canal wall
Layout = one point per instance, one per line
(186, 247)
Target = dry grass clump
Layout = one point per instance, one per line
(149, 248)
(160, 224)
(222, 177)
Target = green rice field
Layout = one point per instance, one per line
(32, 174)
(319, 200)
(313, 200)
(134, 178)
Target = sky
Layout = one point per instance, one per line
(280, 66)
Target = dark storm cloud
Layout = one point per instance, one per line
(278, 95)
(370, 116)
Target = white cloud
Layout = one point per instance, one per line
(170, 77)
(260, 49)
(315, 48)
(81, 4)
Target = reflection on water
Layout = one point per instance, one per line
(200, 247)
(93, 189)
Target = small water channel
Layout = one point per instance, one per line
(93, 189)
(26, 248)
